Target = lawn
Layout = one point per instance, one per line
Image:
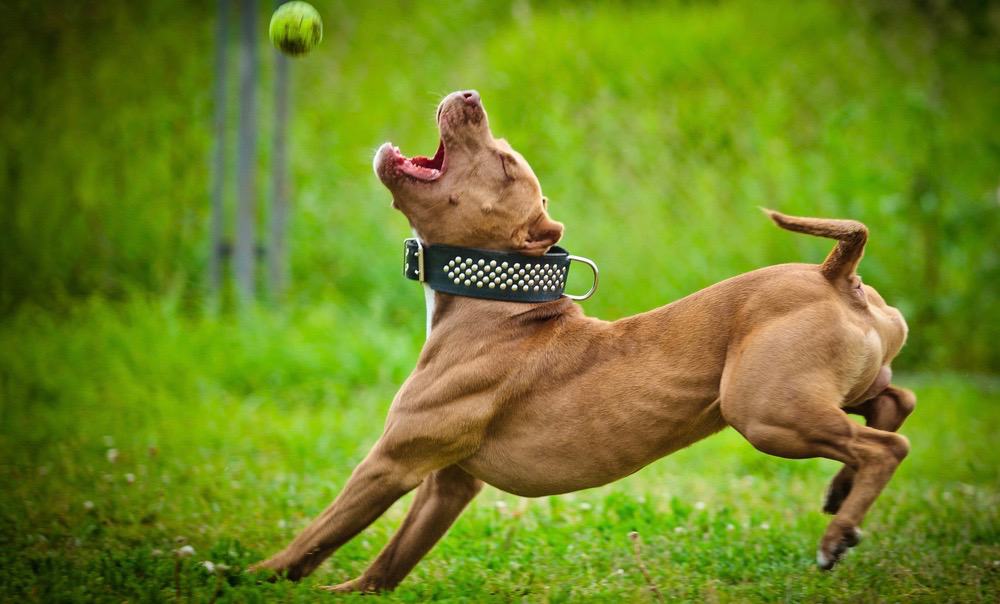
(132, 431)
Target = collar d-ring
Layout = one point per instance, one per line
(593, 288)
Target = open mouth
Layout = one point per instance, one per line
(420, 167)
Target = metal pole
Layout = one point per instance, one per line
(218, 176)
(246, 204)
(277, 248)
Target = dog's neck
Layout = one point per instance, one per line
(435, 300)
(429, 303)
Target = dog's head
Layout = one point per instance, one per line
(475, 192)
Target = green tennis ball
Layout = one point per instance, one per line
(296, 28)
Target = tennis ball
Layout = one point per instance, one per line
(296, 28)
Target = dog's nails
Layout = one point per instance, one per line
(822, 561)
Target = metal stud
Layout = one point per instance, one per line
(517, 265)
(513, 287)
(536, 288)
(504, 265)
(503, 286)
(481, 262)
(491, 284)
(451, 275)
(493, 263)
(479, 283)
(467, 282)
(520, 272)
(457, 280)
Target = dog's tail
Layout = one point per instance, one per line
(851, 237)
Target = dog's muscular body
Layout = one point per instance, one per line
(538, 399)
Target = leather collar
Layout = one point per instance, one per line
(492, 275)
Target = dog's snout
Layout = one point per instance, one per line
(471, 97)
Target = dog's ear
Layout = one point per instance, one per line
(542, 235)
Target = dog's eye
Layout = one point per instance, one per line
(545, 202)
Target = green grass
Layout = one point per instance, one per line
(231, 434)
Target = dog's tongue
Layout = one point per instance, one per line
(420, 167)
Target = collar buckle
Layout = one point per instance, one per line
(413, 260)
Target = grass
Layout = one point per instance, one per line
(129, 431)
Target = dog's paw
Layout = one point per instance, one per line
(261, 571)
(273, 569)
(359, 585)
(835, 544)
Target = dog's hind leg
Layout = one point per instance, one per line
(886, 411)
(798, 415)
(439, 500)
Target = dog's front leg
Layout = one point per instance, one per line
(374, 485)
(440, 499)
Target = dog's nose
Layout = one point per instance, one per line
(471, 97)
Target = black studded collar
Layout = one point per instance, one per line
(492, 275)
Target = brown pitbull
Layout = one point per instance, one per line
(539, 399)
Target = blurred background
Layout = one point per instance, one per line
(656, 129)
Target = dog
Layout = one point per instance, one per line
(535, 398)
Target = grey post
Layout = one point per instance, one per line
(277, 259)
(218, 176)
(246, 203)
